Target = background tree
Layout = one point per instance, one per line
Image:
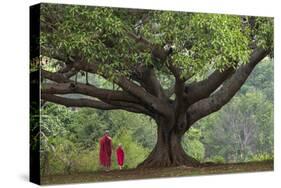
(173, 67)
(243, 129)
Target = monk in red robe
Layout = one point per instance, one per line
(120, 156)
(105, 150)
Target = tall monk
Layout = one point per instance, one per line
(105, 150)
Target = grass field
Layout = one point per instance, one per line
(158, 172)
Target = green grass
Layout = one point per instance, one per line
(115, 175)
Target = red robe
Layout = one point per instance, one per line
(105, 151)
(120, 156)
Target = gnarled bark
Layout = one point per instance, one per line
(168, 150)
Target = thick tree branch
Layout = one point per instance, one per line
(174, 70)
(89, 90)
(132, 88)
(180, 106)
(132, 107)
(157, 105)
(212, 104)
(123, 82)
(69, 102)
(205, 88)
(147, 78)
(77, 102)
(56, 77)
(120, 98)
(179, 91)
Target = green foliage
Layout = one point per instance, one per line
(216, 159)
(192, 145)
(264, 32)
(88, 125)
(261, 157)
(261, 79)
(146, 136)
(241, 128)
(69, 138)
(244, 127)
(88, 160)
(97, 34)
(220, 38)
(93, 33)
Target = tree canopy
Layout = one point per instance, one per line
(119, 39)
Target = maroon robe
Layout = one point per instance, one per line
(120, 155)
(105, 151)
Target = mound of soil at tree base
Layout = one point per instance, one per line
(126, 174)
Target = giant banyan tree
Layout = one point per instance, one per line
(175, 67)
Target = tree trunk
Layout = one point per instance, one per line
(168, 150)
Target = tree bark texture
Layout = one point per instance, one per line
(168, 150)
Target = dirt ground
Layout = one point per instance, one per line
(116, 175)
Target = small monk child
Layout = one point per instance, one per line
(120, 156)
